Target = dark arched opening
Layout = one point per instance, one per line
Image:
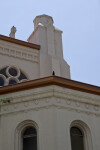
(30, 139)
(76, 138)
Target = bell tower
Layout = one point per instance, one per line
(51, 52)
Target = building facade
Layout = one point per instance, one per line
(41, 108)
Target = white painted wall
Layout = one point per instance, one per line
(27, 59)
(52, 109)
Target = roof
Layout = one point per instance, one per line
(19, 42)
(52, 80)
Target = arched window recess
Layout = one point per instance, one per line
(26, 136)
(29, 137)
(80, 136)
(77, 138)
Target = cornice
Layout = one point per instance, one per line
(19, 42)
(19, 52)
(50, 91)
(47, 97)
(52, 80)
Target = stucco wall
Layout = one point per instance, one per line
(53, 110)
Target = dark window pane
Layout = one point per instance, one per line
(3, 71)
(13, 72)
(30, 139)
(30, 143)
(76, 131)
(29, 131)
(22, 76)
(1, 81)
(76, 139)
(12, 81)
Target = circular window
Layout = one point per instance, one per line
(13, 72)
(11, 75)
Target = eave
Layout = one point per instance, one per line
(19, 42)
(47, 81)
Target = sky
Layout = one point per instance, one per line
(78, 19)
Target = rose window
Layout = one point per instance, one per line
(11, 75)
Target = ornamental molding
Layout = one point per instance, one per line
(19, 52)
(47, 97)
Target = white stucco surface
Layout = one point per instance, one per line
(53, 110)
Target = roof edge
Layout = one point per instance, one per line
(19, 42)
(52, 80)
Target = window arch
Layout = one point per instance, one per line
(80, 136)
(26, 136)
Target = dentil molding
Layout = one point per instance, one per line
(20, 52)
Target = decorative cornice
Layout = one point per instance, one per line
(19, 42)
(47, 97)
(28, 55)
(52, 80)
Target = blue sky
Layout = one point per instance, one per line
(78, 19)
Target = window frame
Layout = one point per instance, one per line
(87, 140)
(19, 134)
(71, 134)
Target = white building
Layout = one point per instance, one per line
(41, 108)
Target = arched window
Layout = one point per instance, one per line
(29, 137)
(80, 134)
(77, 138)
(26, 136)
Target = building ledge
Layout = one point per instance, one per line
(52, 80)
(19, 42)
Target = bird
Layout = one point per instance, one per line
(53, 73)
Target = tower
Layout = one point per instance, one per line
(41, 108)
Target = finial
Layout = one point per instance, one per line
(13, 31)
